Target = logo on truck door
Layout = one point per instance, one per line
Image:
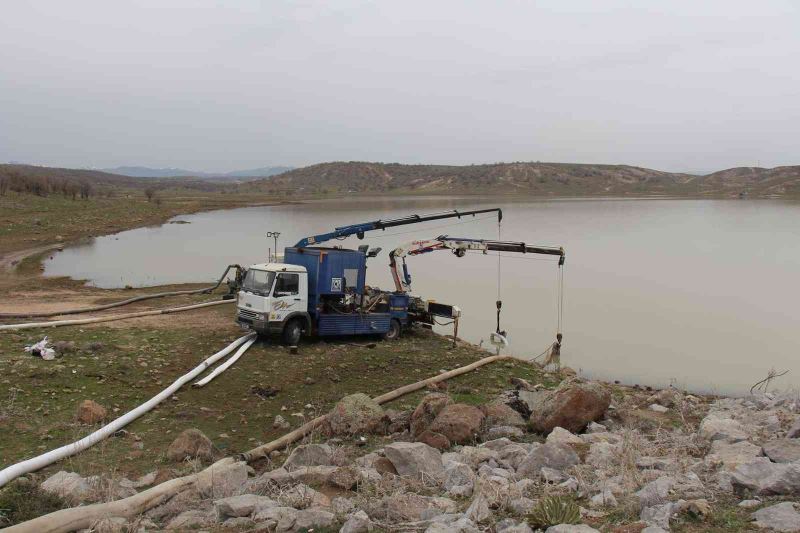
(279, 305)
(336, 284)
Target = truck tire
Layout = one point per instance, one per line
(394, 330)
(292, 332)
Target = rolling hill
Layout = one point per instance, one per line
(147, 172)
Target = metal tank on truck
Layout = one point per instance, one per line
(322, 291)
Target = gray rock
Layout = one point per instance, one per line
(653, 529)
(657, 408)
(497, 432)
(749, 504)
(462, 525)
(780, 517)
(357, 523)
(794, 431)
(411, 507)
(68, 485)
(571, 528)
(309, 455)
(460, 477)
(302, 496)
(729, 456)
(243, 505)
(511, 526)
(478, 511)
(765, 478)
(660, 515)
(276, 519)
(560, 435)
(521, 506)
(715, 427)
(223, 480)
(192, 519)
(603, 454)
(355, 414)
(655, 463)
(313, 518)
(551, 455)
(415, 459)
(603, 499)
(238, 522)
(513, 454)
(594, 427)
(783, 450)
(342, 506)
(655, 492)
(551, 475)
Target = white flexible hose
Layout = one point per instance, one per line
(109, 318)
(224, 366)
(36, 463)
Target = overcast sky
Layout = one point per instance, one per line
(223, 85)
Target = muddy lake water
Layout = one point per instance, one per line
(702, 294)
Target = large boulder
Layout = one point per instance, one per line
(223, 480)
(459, 422)
(68, 485)
(415, 459)
(501, 414)
(783, 450)
(765, 478)
(550, 454)
(779, 517)
(571, 406)
(730, 455)
(242, 505)
(354, 415)
(427, 410)
(717, 427)
(90, 412)
(190, 444)
(358, 522)
(309, 455)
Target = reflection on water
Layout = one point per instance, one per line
(699, 293)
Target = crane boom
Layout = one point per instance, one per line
(359, 229)
(459, 246)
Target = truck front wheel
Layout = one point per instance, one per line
(394, 330)
(292, 332)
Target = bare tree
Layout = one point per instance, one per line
(86, 190)
(150, 193)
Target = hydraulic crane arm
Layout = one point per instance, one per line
(459, 247)
(359, 229)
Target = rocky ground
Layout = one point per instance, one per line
(581, 457)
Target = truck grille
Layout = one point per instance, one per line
(248, 314)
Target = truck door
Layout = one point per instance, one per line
(286, 297)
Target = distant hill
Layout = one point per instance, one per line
(147, 172)
(532, 178)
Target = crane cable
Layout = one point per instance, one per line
(499, 302)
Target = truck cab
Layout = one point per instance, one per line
(273, 300)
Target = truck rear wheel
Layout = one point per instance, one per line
(292, 332)
(394, 330)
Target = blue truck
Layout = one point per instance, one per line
(322, 291)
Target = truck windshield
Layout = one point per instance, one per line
(258, 281)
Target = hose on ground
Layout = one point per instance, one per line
(135, 299)
(36, 463)
(110, 318)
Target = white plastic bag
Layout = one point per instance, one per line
(41, 349)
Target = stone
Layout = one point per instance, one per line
(655, 492)
(571, 406)
(68, 485)
(242, 505)
(551, 455)
(765, 478)
(730, 455)
(478, 511)
(273, 478)
(413, 507)
(312, 475)
(521, 506)
(571, 528)
(658, 408)
(497, 432)
(280, 423)
(302, 497)
(460, 525)
(514, 455)
(357, 523)
(344, 477)
(510, 526)
(239, 522)
(90, 412)
(562, 436)
(660, 515)
(382, 465)
(276, 519)
(434, 440)
(458, 475)
(223, 480)
(780, 517)
(665, 397)
(459, 422)
(653, 529)
(652, 463)
(594, 427)
(715, 427)
(551, 475)
(397, 421)
(603, 499)
(749, 504)
(309, 455)
(355, 414)
(188, 520)
(313, 518)
(783, 450)
(602, 454)
(111, 525)
(500, 414)
(415, 459)
(699, 509)
(427, 410)
(190, 444)
(794, 431)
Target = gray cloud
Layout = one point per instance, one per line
(215, 85)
